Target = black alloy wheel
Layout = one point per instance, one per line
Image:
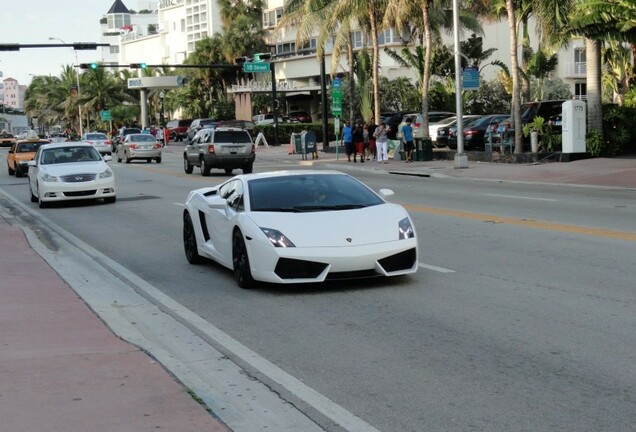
(190, 241)
(241, 261)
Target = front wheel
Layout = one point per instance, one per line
(190, 241)
(241, 261)
(11, 171)
(33, 197)
(18, 171)
(158, 160)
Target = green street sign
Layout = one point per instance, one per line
(256, 67)
(336, 97)
(105, 115)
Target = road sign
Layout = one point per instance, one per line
(336, 97)
(105, 115)
(256, 67)
(470, 76)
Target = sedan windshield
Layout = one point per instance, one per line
(70, 154)
(310, 193)
(102, 137)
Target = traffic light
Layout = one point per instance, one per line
(262, 57)
(88, 65)
(138, 65)
(241, 60)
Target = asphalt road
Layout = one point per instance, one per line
(522, 317)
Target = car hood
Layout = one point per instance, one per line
(93, 167)
(375, 224)
(24, 156)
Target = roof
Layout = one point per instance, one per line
(118, 8)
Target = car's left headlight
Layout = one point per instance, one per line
(105, 174)
(46, 177)
(277, 238)
(406, 229)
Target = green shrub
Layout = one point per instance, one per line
(594, 143)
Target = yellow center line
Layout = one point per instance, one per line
(529, 223)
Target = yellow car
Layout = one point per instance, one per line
(6, 139)
(21, 153)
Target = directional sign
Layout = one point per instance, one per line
(470, 77)
(336, 97)
(256, 67)
(105, 115)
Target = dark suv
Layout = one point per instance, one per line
(178, 129)
(222, 147)
(198, 124)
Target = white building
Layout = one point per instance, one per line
(181, 23)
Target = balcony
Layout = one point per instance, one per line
(575, 70)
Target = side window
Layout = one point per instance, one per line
(235, 200)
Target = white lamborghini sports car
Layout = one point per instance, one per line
(298, 227)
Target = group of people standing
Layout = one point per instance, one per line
(366, 141)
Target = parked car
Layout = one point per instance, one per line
(98, 140)
(20, 153)
(178, 129)
(263, 119)
(121, 134)
(417, 122)
(475, 131)
(198, 124)
(393, 120)
(299, 117)
(221, 147)
(139, 146)
(7, 139)
(70, 171)
(247, 225)
(546, 109)
(443, 131)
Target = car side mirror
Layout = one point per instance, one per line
(108, 158)
(11, 151)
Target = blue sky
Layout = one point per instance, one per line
(34, 21)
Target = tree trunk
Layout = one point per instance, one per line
(428, 54)
(594, 96)
(514, 66)
(375, 66)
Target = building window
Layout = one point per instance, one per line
(357, 39)
(580, 90)
(114, 49)
(271, 18)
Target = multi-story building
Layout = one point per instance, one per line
(12, 94)
(181, 23)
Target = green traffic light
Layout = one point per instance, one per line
(143, 65)
(93, 65)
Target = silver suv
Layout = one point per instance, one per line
(227, 148)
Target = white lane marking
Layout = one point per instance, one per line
(435, 268)
(520, 197)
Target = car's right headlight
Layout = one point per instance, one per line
(277, 238)
(48, 177)
(406, 229)
(105, 174)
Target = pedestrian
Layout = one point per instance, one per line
(381, 140)
(407, 136)
(358, 142)
(372, 148)
(347, 137)
(365, 137)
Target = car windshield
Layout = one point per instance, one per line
(28, 147)
(232, 137)
(69, 154)
(310, 193)
(131, 131)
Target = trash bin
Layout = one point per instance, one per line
(298, 143)
(424, 149)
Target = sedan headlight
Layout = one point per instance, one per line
(277, 238)
(406, 229)
(48, 177)
(106, 174)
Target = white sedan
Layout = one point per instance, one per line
(99, 140)
(70, 171)
(298, 227)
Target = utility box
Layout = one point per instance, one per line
(309, 143)
(573, 126)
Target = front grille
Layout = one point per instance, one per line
(78, 178)
(352, 274)
(288, 268)
(80, 193)
(400, 261)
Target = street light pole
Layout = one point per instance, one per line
(79, 105)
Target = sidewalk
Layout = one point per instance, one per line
(63, 370)
(605, 172)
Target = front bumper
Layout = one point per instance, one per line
(63, 191)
